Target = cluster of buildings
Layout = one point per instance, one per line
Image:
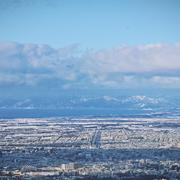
(71, 148)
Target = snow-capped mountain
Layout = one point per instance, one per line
(85, 101)
(89, 104)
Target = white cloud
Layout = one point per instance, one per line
(125, 66)
(166, 81)
(138, 58)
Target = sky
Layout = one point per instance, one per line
(92, 24)
(90, 44)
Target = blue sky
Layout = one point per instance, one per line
(92, 24)
(85, 44)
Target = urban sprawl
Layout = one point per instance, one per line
(90, 148)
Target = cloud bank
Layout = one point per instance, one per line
(69, 67)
